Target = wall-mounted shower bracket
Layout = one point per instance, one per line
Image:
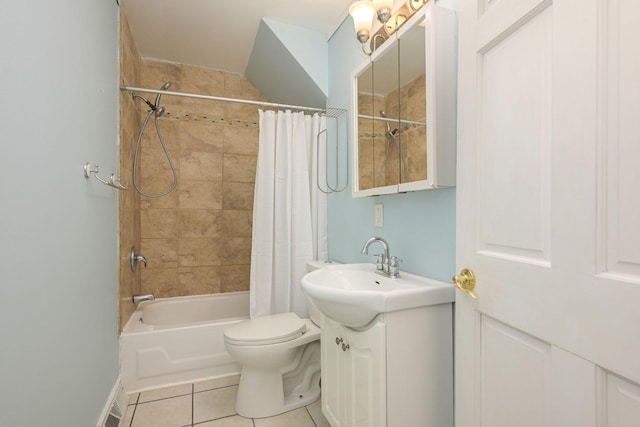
(113, 181)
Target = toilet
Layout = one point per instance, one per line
(280, 358)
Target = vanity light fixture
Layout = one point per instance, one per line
(383, 9)
(363, 11)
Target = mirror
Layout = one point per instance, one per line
(377, 103)
(395, 108)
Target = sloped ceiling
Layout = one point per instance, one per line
(220, 35)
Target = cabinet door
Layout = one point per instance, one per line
(366, 377)
(333, 377)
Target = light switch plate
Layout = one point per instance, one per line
(379, 213)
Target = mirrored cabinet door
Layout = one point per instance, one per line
(385, 111)
(412, 131)
(403, 103)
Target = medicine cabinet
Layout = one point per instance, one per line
(404, 108)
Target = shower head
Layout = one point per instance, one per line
(383, 114)
(157, 103)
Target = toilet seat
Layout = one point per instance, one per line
(271, 329)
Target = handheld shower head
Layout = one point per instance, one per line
(157, 103)
(383, 114)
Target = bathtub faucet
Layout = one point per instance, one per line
(139, 298)
(135, 258)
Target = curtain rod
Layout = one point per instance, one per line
(220, 98)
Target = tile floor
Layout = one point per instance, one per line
(208, 404)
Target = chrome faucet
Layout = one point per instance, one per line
(382, 264)
(139, 298)
(135, 258)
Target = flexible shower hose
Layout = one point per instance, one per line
(166, 152)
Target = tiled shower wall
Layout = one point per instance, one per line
(128, 201)
(197, 239)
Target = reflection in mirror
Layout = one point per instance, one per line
(413, 105)
(378, 109)
(366, 133)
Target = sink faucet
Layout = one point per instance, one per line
(382, 265)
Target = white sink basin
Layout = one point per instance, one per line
(353, 294)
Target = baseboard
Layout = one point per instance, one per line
(115, 408)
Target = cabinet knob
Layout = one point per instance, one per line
(345, 347)
(338, 340)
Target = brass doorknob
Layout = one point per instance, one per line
(465, 281)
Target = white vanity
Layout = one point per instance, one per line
(386, 345)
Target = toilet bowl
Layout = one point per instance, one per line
(280, 358)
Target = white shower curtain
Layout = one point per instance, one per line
(289, 214)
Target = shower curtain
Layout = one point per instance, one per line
(289, 213)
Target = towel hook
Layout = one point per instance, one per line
(113, 181)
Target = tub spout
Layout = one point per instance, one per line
(139, 298)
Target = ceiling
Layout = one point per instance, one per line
(220, 34)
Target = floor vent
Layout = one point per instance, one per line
(118, 409)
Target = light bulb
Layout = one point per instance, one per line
(362, 13)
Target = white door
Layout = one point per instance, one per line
(548, 213)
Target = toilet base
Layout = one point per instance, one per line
(267, 392)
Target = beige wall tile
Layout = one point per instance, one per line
(199, 252)
(154, 164)
(202, 137)
(199, 222)
(200, 280)
(235, 277)
(201, 166)
(160, 253)
(156, 187)
(200, 194)
(236, 250)
(158, 223)
(237, 195)
(241, 140)
(236, 223)
(163, 283)
(239, 168)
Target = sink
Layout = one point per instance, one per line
(353, 294)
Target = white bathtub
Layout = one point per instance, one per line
(178, 340)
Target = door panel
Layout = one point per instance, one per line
(513, 144)
(513, 364)
(620, 253)
(623, 402)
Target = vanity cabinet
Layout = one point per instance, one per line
(398, 371)
(353, 388)
(404, 108)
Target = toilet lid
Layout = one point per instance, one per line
(271, 329)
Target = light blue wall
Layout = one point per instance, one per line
(58, 231)
(308, 47)
(419, 226)
(283, 71)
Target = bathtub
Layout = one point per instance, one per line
(179, 340)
